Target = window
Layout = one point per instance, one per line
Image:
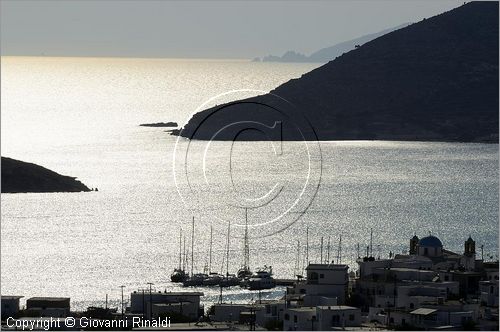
(412, 306)
(287, 317)
(426, 251)
(446, 278)
(335, 320)
(295, 318)
(351, 317)
(321, 276)
(268, 309)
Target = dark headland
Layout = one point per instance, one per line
(436, 80)
(22, 177)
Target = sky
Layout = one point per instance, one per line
(196, 29)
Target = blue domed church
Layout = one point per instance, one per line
(431, 247)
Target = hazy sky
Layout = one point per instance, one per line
(203, 29)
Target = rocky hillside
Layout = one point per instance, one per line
(433, 80)
(328, 53)
(21, 177)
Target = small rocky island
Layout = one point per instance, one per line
(22, 177)
(160, 124)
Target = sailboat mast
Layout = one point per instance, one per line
(210, 252)
(340, 249)
(328, 251)
(192, 248)
(371, 242)
(307, 245)
(185, 256)
(246, 247)
(227, 253)
(321, 252)
(180, 248)
(297, 259)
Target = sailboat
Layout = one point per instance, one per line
(262, 279)
(179, 275)
(213, 278)
(230, 279)
(198, 278)
(244, 272)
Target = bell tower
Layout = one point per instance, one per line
(470, 247)
(413, 245)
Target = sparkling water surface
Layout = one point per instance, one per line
(80, 117)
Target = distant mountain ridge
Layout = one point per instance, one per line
(328, 53)
(436, 80)
(22, 177)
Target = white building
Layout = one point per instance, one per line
(49, 306)
(231, 312)
(325, 284)
(10, 306)
(337, 316)
(489, 293)
(184, 309)
(321, 318)
(186, 302)
(300, 319)
(273, 311)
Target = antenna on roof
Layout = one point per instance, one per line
(371, 242)
(328, 251)
(307, 245)
(321, 252)
(340, 249)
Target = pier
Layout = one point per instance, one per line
(285, 282)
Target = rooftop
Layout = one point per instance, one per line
(173, 293)
(239, 305)
(423, 311)
(303, 309)
(406, 269)
(11, 297)
(336, 307)
(173, 304)
(52, 299)
(327, 267)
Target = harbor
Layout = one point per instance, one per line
(249, 165)
(428, 286)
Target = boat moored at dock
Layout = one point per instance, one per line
(262, 279)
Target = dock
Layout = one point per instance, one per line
(285, 282)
